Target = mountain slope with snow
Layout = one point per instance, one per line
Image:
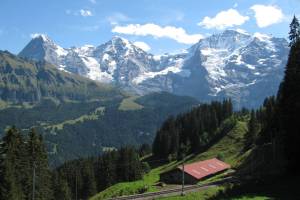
(244, 67)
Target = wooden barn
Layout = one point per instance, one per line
(194, 172)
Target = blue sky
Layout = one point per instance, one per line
(158, 26)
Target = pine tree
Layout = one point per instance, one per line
(289, 107)
(294, 34)
(253, 128)
(38, 162)
(61, 188)
(89, 183)
(10, 163)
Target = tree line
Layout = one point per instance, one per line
(24, 170)
(23, 161)
(276, 122)
(193, 130)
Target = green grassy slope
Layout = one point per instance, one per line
(231, 145)
(130, 104)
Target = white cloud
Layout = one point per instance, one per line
(267, 15)
(86, 13)
(175, 33)
(224, 19)
(142, 45)
(115, 18)
(235, 5)
(81, 12)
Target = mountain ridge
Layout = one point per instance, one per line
(225, 65)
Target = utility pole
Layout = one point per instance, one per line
(33, 182)
(76, 185)
(182, 189)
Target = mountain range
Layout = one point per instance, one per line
(73, 111)
(232, 64)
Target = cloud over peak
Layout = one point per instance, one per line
(176, 33)
(224, 19)
(142, 45)
(267, 15)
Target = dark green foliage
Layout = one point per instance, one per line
(89, 187)
(18, 159)
(278, 139)
(294, 34)
(93, 175)
(145, 149)
(253, 129)
(61, 188)
(289, 106)
(10, 165)
(113, 128)
(129, 167)
(38, 160)
(268, 118)
(195, 129)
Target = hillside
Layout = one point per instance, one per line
(233, 155)
(74, 111)
(92, 126)
(28, 81)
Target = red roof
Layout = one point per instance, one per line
(205, 168)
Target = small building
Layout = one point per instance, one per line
(194, 172)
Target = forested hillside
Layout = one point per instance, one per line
(24, 170)
(74, 111)
(23, 80)
(194, 131)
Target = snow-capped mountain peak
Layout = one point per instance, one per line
(262, 37)
(41, 47)
(42, 37)
(228, 64)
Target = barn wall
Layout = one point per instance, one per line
(175, 177)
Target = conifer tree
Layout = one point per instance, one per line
(294, 34)
(253, 128)
(89, 183)
(289, 107)
(10, 163)
(61, 188)
(38, 162)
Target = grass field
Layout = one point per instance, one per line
(92, 116)
(231, 145)
(130, 104)
(211, 193)
(128, 188)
